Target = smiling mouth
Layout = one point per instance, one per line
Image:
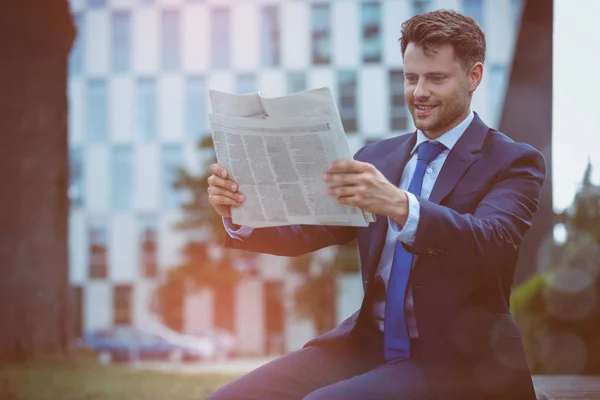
(423, 110)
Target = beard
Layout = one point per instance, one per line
(441, 119)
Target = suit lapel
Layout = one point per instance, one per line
(392, 168)
(464, 153)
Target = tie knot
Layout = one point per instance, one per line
(428, 151)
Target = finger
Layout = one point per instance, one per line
(348, 200)
(350, 165)
(219, 171)
(217, 191)
(342, 178)
(222, 201)
(214, 180)
(343, 191)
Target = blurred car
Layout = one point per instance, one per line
(128, 343)
(225, 342)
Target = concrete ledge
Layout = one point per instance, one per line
(567, 387)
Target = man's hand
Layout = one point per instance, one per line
(364, 186)
(222, 191)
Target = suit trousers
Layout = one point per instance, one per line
(350, 370)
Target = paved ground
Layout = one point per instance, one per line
(550, 387)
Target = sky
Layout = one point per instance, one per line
(576, 102)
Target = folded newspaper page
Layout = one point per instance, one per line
(277, 150)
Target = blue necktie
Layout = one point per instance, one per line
(396, 336)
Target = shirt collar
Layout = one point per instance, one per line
(449, 138)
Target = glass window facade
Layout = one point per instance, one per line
(296, 81)
(371, 32)
(96, 110)
(347, 100)
(246, 83)
(196, 108)
(270, 36)
(122, 304)
(398, 111)
(321, 33)
(171, 40)
(148, 239)
(98, 249)
(146, 108)
(122, 177)
(76, 196)
(220, 37)
(76, 55)
(172, 156)
(121, 41)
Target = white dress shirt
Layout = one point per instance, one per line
(405, 234)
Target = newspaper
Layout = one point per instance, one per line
(277, 150)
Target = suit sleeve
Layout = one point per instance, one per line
(293, 240)
(496, 229)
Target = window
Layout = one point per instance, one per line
(321, 34)
(270, 35)
(146, 108)
(171, 161)
(517, 10)
(96, 3)
(398, 109)
(76, 177)
(121, 41)
(497, 76)
(195, 112)
(122, 299)
(421, 6)
(371, 33)
(122, 181)
(96, 110)
(474, 8)
(347, 106)
(296, 81)
(76, 56)
(98, 257)
(76, 311)
(220, 37)
(246, 83)
(148, 247)
(171, 40)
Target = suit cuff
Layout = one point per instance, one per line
(406, 234)
(234, 232)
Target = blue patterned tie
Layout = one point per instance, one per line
(396, 336)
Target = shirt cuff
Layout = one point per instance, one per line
(239, 234)
(407, 233)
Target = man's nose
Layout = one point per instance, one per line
(421, 91)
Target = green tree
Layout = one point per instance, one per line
(558, 309)
(205, 263)
(314, 298)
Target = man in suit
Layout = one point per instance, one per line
(453, 201)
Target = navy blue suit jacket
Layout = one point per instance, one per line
(468, 240)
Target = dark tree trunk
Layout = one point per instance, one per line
(35, 39)
(527, 116)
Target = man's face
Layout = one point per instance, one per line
(438, 90)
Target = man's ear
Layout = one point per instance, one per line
(475, 76)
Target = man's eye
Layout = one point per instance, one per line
(437, 79)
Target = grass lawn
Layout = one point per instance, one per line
(88, 381)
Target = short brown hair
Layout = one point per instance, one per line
(446, 27)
